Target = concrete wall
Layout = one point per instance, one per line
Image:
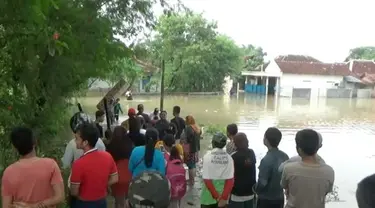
(339, 93)
(317, 83)
(101, 84)
(364, 93)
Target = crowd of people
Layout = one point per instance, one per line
(141, 163)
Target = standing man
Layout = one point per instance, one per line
(31, 181)
(269, 191)
(141, 112)
(178, 121)
(93, 173)
(111, 110)
(72, 153)
(162, 125)
(307, 182)
(232, 130)
(299, 159)
(99, 119)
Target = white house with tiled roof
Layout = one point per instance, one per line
(299, 76)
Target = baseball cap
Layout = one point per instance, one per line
(220, 139)
(150, 189)
(131, 112)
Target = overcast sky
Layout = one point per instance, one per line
(324, 29)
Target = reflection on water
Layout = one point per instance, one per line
(347, 127)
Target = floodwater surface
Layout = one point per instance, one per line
(347, 127)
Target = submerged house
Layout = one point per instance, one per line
(304, 76)
(139, 84)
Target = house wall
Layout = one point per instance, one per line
(100, 84)
(317, 83)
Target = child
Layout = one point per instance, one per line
(163, 144)
(175, 170)
(117, 109)
(218, 173)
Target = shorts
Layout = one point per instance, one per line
(191, 164)
(191, 160)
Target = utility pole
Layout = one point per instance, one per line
(162, 85)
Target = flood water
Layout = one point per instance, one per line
(347, 127)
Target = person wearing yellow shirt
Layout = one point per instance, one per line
(167, 145)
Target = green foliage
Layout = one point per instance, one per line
(124, 68)
(366, 53)
(50, 50)
(213, 128)
(253, 57)
(197, 57)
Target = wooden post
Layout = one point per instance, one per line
(162, 85)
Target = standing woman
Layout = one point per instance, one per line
(120, 147)
(244, 174)
(147, 157)
(192, 147)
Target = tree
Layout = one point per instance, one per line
(127, 69)
(366, 53)
(50, 49)
(197, 57)
(253, 57)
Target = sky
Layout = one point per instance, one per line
(324, 29)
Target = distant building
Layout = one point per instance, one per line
(304, 76)
(140, 85)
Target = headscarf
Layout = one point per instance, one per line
(191, 122)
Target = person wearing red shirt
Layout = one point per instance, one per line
(93, 172)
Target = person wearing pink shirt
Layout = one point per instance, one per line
(32, 181)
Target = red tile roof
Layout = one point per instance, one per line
(368, 79)
(361, 67)
(300, 58)
(314, 68)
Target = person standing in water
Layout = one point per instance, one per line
(307, 182)
(269, 191)
(31, 181)
(232, 130)
(111, 110)
(117, 110)
(218, 173)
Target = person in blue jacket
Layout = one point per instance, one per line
(147, 157)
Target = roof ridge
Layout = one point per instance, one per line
(311, 62)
